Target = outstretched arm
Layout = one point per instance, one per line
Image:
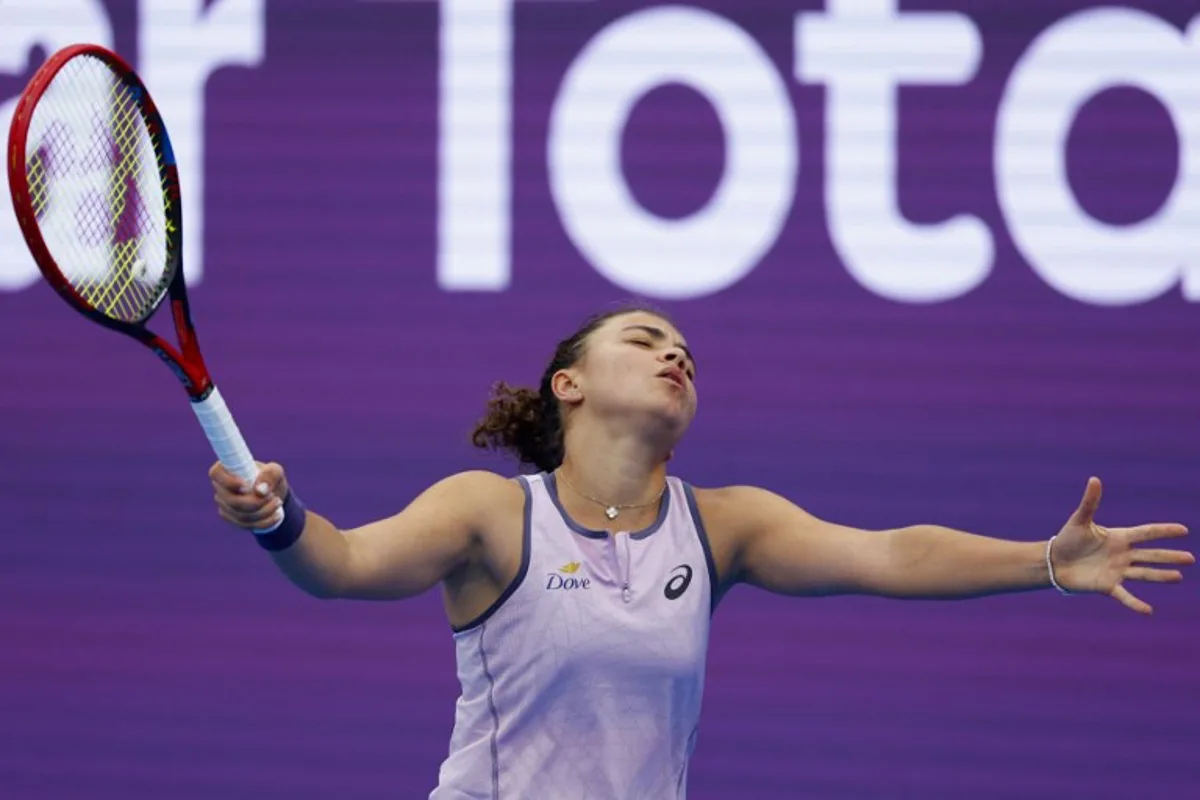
(779, 547)
(401, 556)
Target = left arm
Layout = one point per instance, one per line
(773, 544)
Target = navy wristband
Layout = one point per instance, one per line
(289, 530)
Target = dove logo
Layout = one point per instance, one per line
(565, 578)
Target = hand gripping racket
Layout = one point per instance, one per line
(96, 192)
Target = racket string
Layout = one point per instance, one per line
(120, 139)
(95, 181)
(122, 183)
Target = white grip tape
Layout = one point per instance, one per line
(227, 442)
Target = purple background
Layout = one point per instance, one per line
(147, 650)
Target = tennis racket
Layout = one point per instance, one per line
(96, 192)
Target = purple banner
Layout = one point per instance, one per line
(938, 263)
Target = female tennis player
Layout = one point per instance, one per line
(580, 596)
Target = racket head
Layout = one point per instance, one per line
(96, 193)
(94, 184)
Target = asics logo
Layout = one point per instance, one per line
(681, 578)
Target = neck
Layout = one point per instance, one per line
(622, 470)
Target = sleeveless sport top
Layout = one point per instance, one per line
(585, 677)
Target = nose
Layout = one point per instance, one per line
(676, 356)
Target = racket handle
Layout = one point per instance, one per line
(227, 442)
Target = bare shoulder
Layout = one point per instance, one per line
(733, 516)
(487, 485)
(735, 510)
(729, 515)
(458, 510)
(483, 496)
(495, 505)
(463, 521)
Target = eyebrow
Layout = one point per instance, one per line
(659, 335)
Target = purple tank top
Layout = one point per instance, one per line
(585, 678)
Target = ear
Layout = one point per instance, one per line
(565, 388)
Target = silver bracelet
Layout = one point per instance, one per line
(1050, 568)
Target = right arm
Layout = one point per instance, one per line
(401, 556)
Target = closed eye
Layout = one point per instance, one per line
(690, 368)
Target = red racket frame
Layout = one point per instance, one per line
(185, 361)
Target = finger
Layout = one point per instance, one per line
(245, 504)
(1159, 530)
(225, 479)
(261, 517)
(270, 476)
(1090, 502)
(1153, 575)
(266, 517)
(1148, 555)
(1129, 601)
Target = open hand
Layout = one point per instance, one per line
(1091, 558)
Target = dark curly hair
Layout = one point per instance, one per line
(527, 422)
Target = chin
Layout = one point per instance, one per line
(671, 421)
(659, 418)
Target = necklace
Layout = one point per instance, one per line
(611, 510)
